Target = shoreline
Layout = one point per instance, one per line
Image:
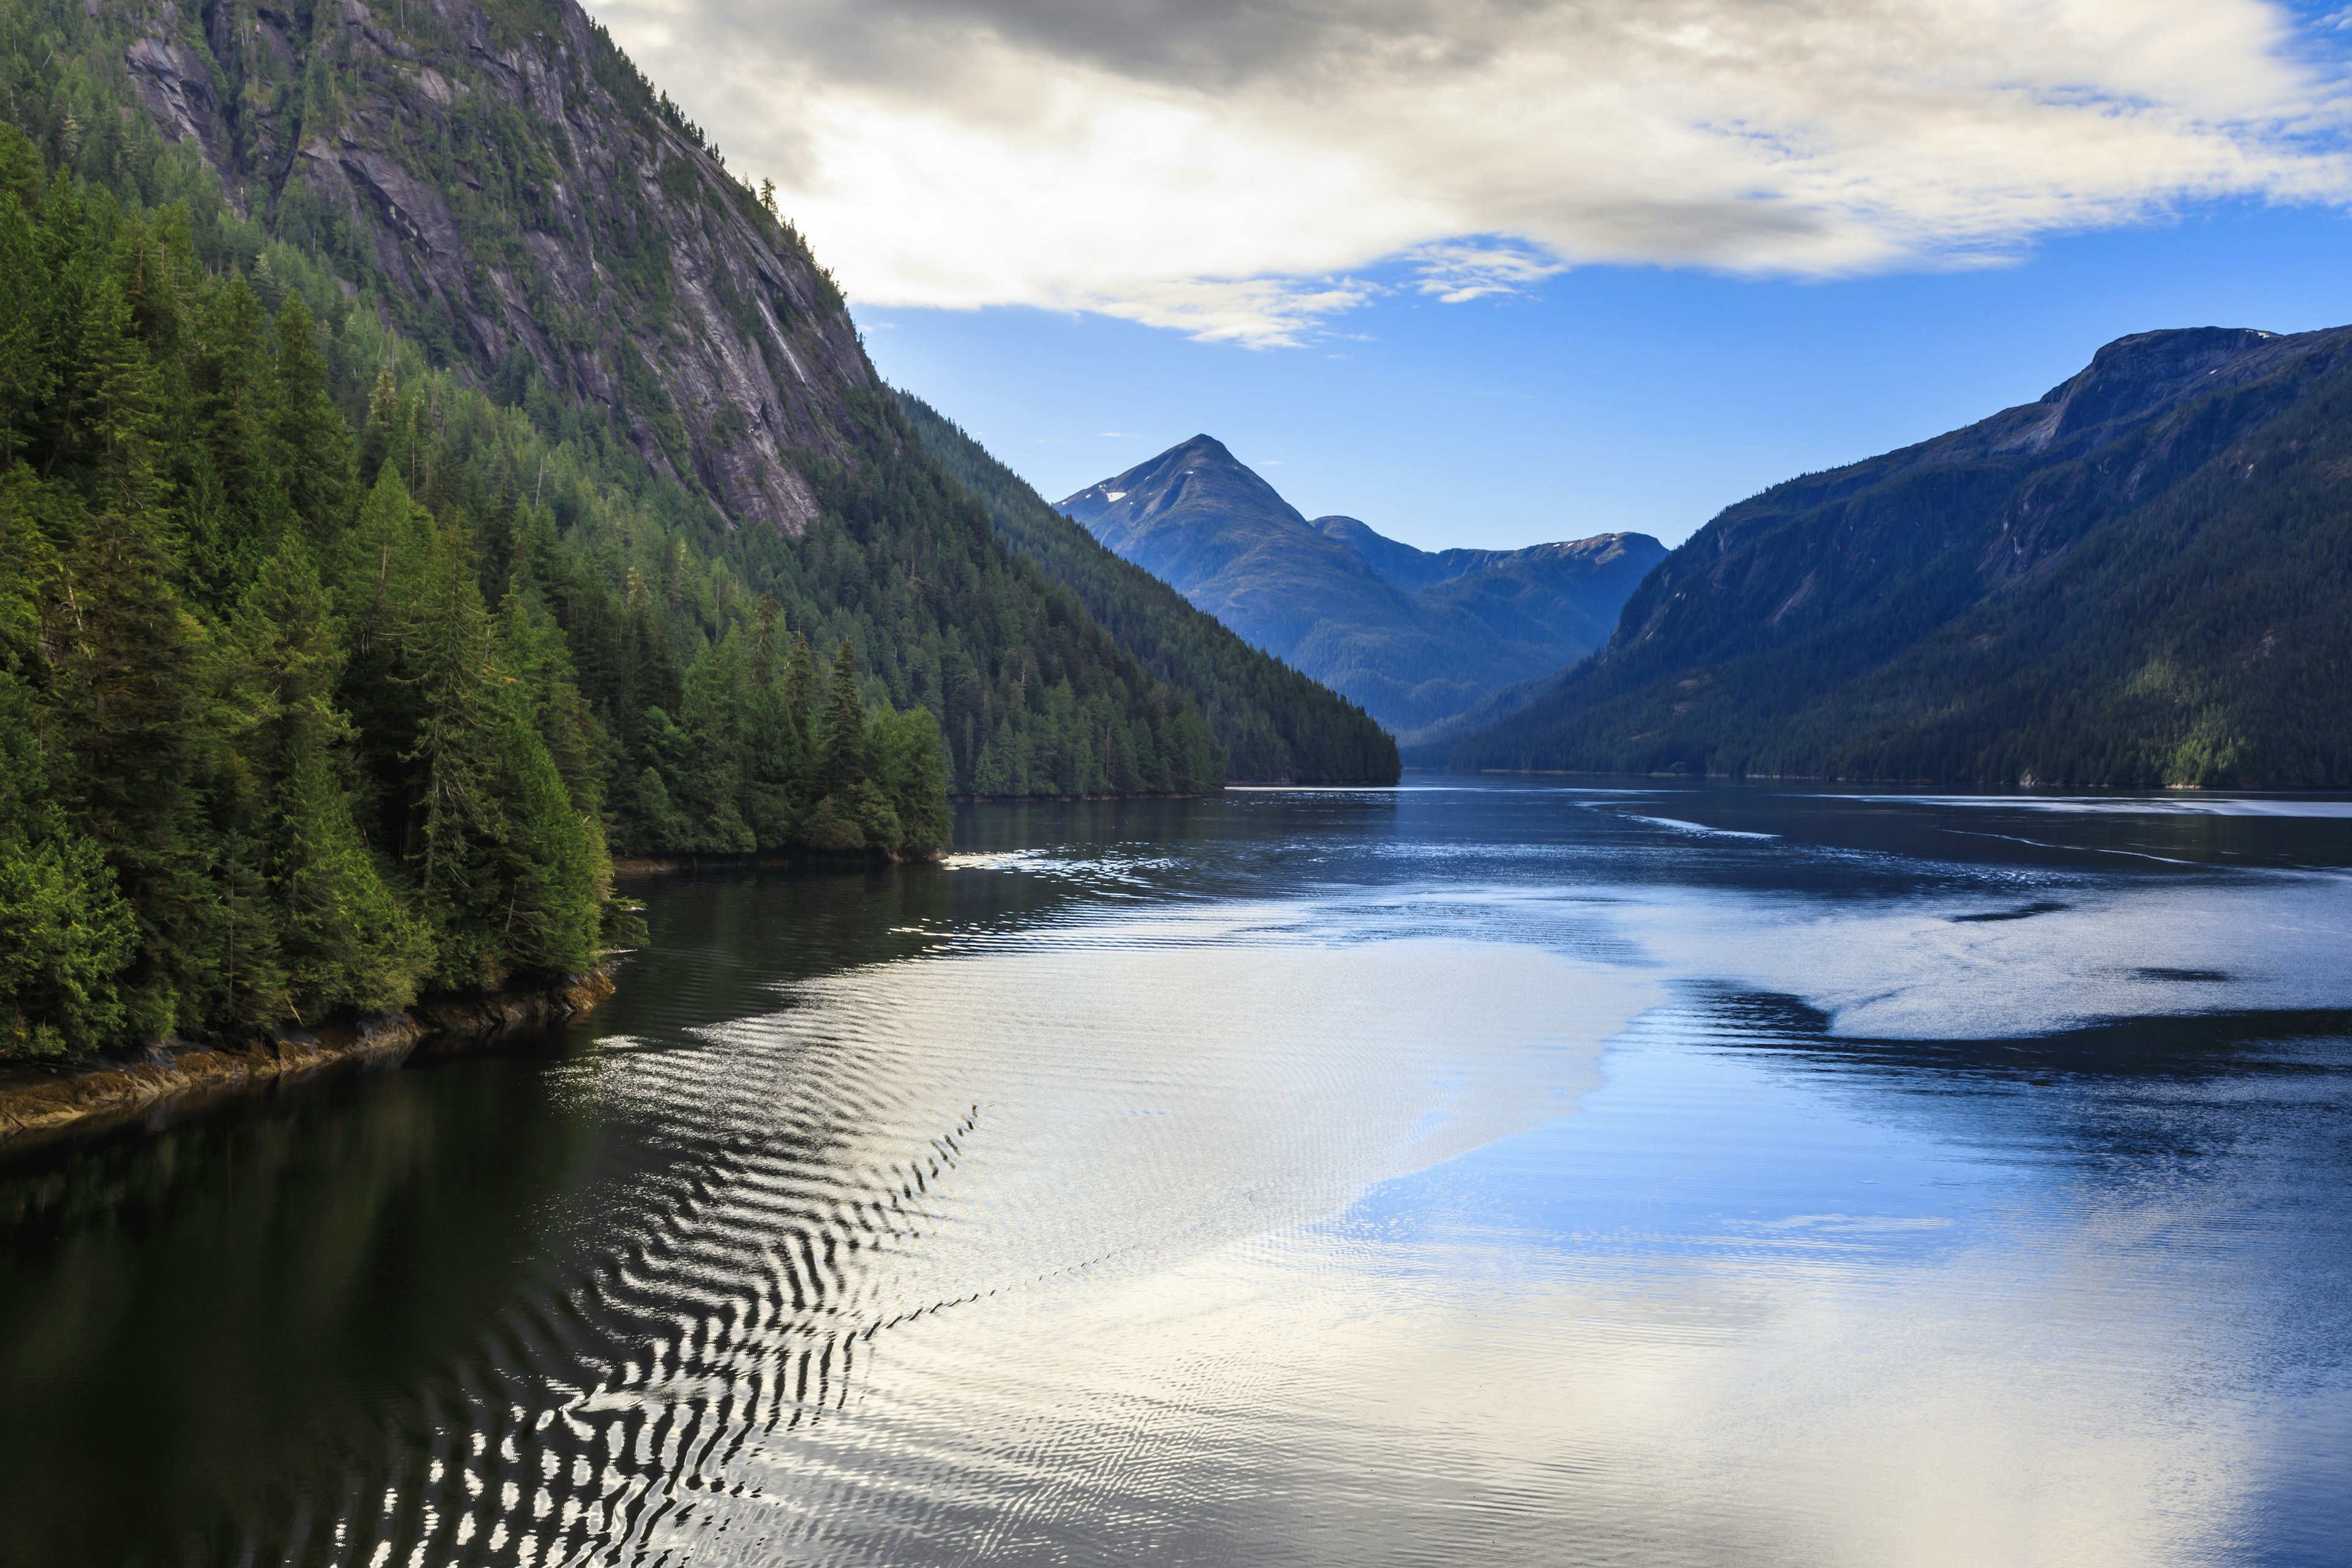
(769, 860)
(42, 1103)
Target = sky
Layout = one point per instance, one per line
(1491, 273)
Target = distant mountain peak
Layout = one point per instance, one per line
(1157, 485)
(1415, 636)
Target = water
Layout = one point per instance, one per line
(1498, 1173)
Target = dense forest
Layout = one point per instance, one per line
(338, 656)
(1277, 725)
(296, 718)
(2143, 579)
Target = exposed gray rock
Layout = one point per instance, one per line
(755, 360)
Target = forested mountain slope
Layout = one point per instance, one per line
(496, 184)
(348, 617)
(1416, 637)
(500, 180)
(1275, 724)
(2145, 578)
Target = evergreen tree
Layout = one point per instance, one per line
(714, 712)
(461, 726)
(265, 752)
(341, 936)
(845, 728)
(314, 444)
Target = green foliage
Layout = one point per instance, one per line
(201, 745)
(1274, 723)
(334, 664)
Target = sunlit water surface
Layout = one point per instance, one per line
(1502, 1174)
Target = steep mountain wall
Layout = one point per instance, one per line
(489, 193)
(513, 193)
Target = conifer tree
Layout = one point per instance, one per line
(314, 444)
(341, 936)
(66, 932)
(460, 725)
(551, 860)
(238, 499)
(714, 713)
(27, 376)
(844, 727)
(375, 433)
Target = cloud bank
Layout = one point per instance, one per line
(1234, 168)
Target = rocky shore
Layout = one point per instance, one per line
(40, 1102)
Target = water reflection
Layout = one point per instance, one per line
(200, 1318)
(1459, 1174)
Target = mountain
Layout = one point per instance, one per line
(497, 179)
(1415, 637)
(1275, 724)
(2142, 579)
(1410, 569)
(426, 472)
(490, 188)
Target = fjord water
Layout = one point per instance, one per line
(1499, 1173)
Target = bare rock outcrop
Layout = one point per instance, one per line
(504, 190)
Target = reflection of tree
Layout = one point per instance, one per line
(216, 1309)
(728, 1300)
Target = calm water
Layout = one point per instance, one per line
(1501, 1173)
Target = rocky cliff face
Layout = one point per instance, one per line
(512, 193)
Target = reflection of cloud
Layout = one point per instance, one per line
(1560, 1351)
(1905, 970)
(1227, 167)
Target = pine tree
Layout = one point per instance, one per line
(28, 375)
(238, 500)
(134, 721)
(66, 932)
(714, 713)
(314, 444)
(460, 727)
(341, 936)
(551, 858)
(375, 434)
(911, 771)
(844, 755)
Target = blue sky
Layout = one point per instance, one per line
(1495, 271)
(1608, 397)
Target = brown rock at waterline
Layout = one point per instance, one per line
(41, 1102)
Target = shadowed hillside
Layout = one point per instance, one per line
(2143, 578)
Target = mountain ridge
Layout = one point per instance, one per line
(1255, 705)
(645, 280)
(1416, 637)
(1931, 613)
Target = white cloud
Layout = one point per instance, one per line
(1234, 169)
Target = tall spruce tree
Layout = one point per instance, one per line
(343, 938)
